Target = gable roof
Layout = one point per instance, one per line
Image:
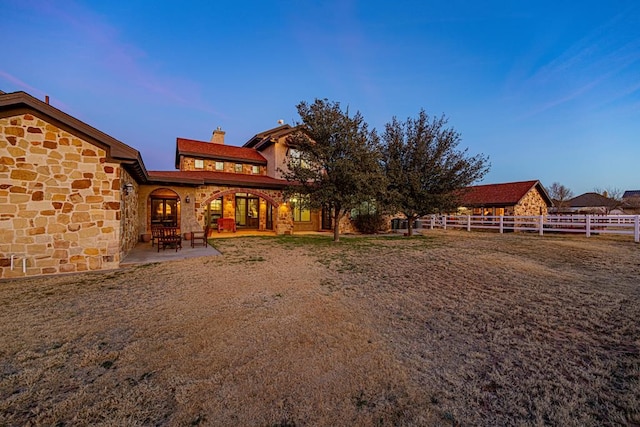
(217, 178)
(591, 200)
(504, 194)
(210, 150)
(263, 139)
(21, 103)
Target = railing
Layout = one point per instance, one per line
(583, 224)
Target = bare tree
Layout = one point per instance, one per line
(613, 195)
(560, 195)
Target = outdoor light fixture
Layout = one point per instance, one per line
(187, 199)
(128, 188)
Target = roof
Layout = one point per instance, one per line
(263, 139)
(631, 193)
(21, 103)
(505, 194)
(217, 178)
(590, 200)
(210, 150)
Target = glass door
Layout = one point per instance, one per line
(247, 211)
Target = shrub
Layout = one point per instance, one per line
(369, 223)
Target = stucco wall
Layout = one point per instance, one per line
(60, 200)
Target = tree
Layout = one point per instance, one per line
(560, 195)
(613, 195)
(336, 164)
(425, 171)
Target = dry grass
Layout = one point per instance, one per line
(453, 328)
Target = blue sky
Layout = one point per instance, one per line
(549, 90)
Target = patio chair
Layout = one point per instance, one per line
(170, 237)
(156, 232)
(199, 236)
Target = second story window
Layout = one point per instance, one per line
(238, 168)
(255, 170)
(219, 166)
(199, 164)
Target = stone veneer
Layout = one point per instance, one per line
(531, 204)
(60, 201)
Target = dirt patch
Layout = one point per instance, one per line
(451, 328)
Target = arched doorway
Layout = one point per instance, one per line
(164, 208)
(249, 210)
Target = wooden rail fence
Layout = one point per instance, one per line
(583, 224)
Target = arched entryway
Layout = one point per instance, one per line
(164, 208)
(249, 210)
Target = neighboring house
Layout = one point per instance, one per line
(592, 203)
(631, 199)
(73, 198)
(510, 198)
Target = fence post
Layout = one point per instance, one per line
(431, 223)
(444, 222)
(468, 222)
(636, 232)
(501, 224)
(541, 225)
(587, 219)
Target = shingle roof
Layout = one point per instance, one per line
(219, 178)
(209, 150)
(263, 139)
(590, 200)
(505, 194)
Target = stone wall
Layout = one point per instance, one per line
(60, 201)
(531, 204)
(129, 226)
(188, 164)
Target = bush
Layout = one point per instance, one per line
(369, 223)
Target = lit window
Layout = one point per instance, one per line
(255, 169)
(300, 209)
(199, 164)
(238, 167)
(219, 166)
(295, 156)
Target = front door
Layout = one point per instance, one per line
(247, 212)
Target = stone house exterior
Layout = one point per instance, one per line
(73, 198)
(62, 204)
(524, 198)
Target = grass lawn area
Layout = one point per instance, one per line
(452, 328)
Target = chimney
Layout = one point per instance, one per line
(218, 136)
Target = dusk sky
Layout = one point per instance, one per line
(549, 90)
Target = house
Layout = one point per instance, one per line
(510, 198)
(631, 200)
(73, 198)
(592, 203)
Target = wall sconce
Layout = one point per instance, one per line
(187, 199)
(128, 188)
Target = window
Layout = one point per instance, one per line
(296, 158)
(164, 211)
(300, 209)
(199, 164)
(238, 167)
(255, 170)
(365, 208)
(214, 211)
(219, 166)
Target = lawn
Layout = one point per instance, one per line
(452, 328)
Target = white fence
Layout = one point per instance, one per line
(583, 224)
